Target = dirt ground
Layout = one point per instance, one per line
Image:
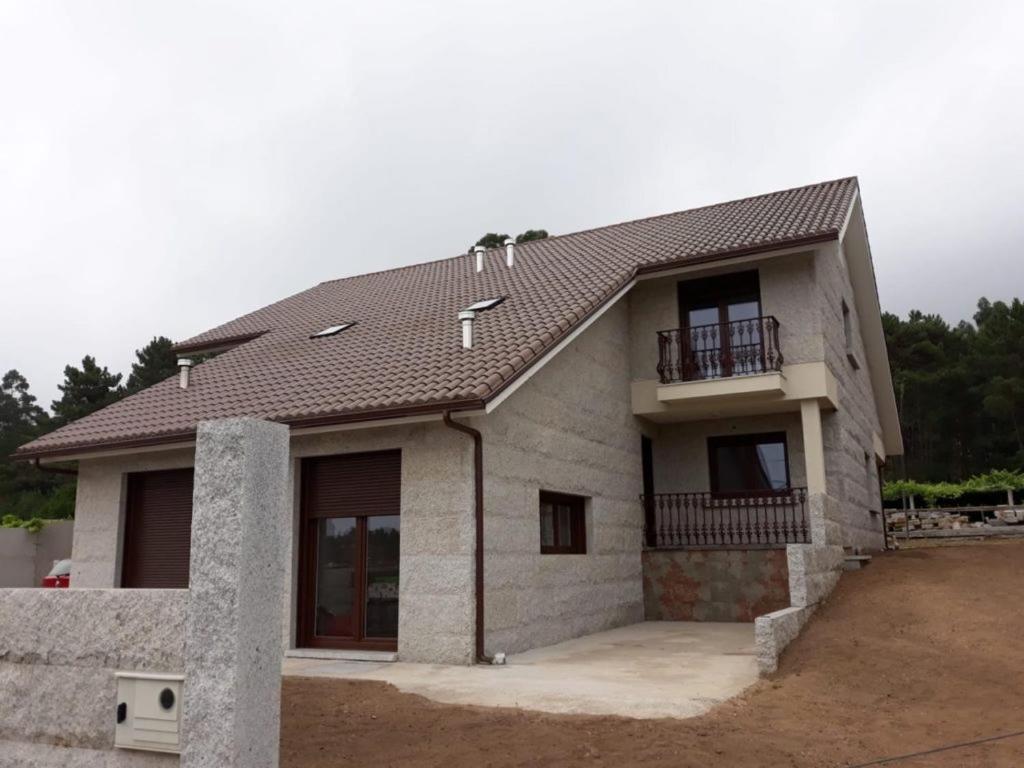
(922, 649)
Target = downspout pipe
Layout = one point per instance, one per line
(478, 513)
(55, 470)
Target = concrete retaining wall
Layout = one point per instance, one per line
(774, 631)
(814, 571)
(25, 558)
(714, 585)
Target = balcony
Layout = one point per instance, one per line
(705, 520)
(719, 350)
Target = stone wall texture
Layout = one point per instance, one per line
(59, 649)
(714, 584)
(850, 468)
(568, 429)
(436, 605)
(232, 695)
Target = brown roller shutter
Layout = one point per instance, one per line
(158, 530)
(353, 484)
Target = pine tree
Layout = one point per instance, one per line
(85, 390)
(156, 362)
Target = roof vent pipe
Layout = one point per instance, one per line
(184, 366)
(510, 245)
(466, 318)
(479, 251)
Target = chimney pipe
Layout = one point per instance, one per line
(479, 251)
(466, 318)
(184, 366)
(510, 245)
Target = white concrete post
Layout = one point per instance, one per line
(814, 446)
(233, 635)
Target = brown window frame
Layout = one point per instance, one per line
(577, 522)
(310, 513)
(747, 439)
(719, 292)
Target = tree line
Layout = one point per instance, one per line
(28, 494)
(960, 392)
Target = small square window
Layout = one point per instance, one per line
(563, 527)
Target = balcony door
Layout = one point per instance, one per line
(721, 325)
(349, 551)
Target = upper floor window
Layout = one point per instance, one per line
(848, 335)
(563, 528)
(721, 299)
(748, 463)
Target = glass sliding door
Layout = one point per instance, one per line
(337, 565)
(721, 319)
(381, 594)
(350, 552)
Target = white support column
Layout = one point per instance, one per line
(233, 635)
(814, 446)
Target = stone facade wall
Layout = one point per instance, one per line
(26, 557)
(99, 512)
(850, 467)
(714, 584)
(787, 291)
(59, 649)
(568, 429)
(805, 292)
(436, 604)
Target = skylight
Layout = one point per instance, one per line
(331, 330)
(484, 304)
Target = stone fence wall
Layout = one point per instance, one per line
(59, 648)
(58, 653)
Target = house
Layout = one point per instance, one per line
(511, 448)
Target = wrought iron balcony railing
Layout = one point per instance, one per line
(702, 519)
(739, 348)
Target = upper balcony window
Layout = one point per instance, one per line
(723, 333)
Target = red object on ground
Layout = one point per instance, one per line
(59, 575)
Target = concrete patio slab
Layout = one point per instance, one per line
(647, 670)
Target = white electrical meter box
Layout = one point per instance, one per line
(148, 711)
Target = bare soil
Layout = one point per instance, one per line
(922, 649)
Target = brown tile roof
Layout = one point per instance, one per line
(404, 353)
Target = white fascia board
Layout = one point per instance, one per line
(550, 354)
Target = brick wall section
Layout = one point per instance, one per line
(714, 585)
(569, 429)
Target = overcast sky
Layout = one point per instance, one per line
(167, 166)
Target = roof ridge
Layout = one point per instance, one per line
(606, 226)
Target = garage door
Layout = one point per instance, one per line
(158, 530)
